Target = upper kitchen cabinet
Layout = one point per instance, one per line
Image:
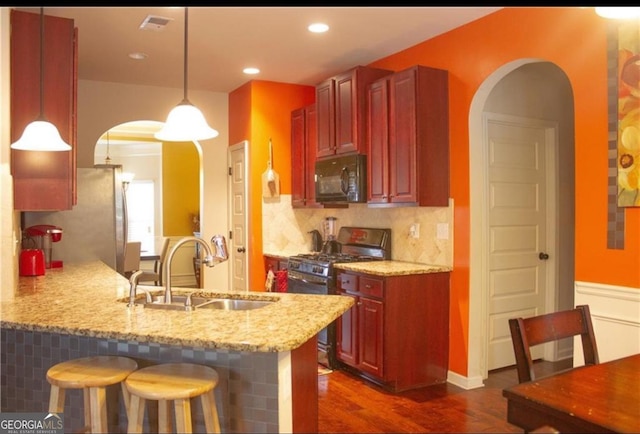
(303, 157)
(408, 138)
(341, 107)
(43, 181)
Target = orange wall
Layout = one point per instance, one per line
(575, 39)
(260, 110)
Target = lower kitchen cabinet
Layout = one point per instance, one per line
(275, 264)
(397, 333)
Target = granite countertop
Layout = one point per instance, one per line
(391, 268)
(89, 299)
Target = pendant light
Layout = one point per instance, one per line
(41, 135)
(185, 122)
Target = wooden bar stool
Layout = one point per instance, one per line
(92, 375)
(177, 382)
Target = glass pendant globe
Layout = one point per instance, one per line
(185, 123)
(41, 136)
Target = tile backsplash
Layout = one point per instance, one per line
(285, 230)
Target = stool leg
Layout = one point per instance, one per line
(56, 400)
(86, 398)
(125, 395)
(98, 408)
(164, 417)
(210, 411)
(183, 415)
(135, 414)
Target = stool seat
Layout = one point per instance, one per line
(93, 375)
(176, 382)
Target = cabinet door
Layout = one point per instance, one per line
(402, 137)
(311, 134)
(347, 334)
(346, 106)
(378, 142)
(43, 181)
(371, 329)
(325, 98)
(298, 158)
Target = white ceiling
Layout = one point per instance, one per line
(224, 40)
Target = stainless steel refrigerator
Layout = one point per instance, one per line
(96, 228)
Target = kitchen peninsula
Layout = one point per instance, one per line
(266, 358)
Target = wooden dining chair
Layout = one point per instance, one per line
(528, 332)
(155, 276)
(131, 257)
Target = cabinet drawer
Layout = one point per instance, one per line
(371, 287)
(348, 282)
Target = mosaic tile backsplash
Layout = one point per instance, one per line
(285, 230)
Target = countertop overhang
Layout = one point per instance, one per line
(84, 299)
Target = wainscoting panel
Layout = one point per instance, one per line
(615, 313)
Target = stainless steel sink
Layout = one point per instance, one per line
(235, 304)
(179, 302)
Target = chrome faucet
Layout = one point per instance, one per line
(133, 282)
(210, 259)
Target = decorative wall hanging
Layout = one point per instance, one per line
(628, 141)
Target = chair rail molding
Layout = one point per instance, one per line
(615, 313)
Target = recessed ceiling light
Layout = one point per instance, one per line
(618, 12)
(251, 71)
(138, 56)
(318, 28)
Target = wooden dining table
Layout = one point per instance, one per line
(595, 398)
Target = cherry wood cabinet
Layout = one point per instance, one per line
(303, 157)
(397, 333)
(341, 106)
(43, 181)
(408, 138)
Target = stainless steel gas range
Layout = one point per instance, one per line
(314, 273)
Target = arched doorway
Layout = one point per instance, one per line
(164, 195)
(537, 90)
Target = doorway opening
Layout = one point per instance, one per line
(537, 90)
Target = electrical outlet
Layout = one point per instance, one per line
(414, 230)
(442, 231)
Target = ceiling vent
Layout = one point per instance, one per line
(155, 23)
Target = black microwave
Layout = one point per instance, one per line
(341, 179)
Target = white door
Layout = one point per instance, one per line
(517, 231)
(238, 260)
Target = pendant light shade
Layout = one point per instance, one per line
(41, 135)
(185, 122)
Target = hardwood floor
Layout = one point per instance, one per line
(348, 404)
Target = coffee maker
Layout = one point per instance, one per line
(42, 237)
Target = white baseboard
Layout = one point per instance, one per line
(615, 313)
(466, 383)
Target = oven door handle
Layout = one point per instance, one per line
(303, 280)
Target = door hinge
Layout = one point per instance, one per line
(230, 171)
(230, 235)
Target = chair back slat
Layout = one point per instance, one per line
(528, 332)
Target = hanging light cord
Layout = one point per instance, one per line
(186, 38)
(41, 63)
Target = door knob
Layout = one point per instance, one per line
(241, 250)
(543, 256)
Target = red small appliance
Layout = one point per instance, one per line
(42, 237)
(32, 262)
